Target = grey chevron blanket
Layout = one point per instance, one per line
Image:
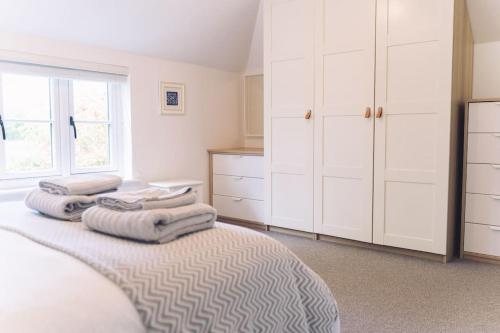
(226, 279)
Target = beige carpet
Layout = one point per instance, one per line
(380, 292)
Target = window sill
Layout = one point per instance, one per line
(14, 194)
(31, 182)
(18, 193)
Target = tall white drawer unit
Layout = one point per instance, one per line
(481, 198)
(237, 185)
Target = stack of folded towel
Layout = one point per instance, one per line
(150, 215)
(66, 198)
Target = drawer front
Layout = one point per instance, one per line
(239, 208)
(484, 117)
(238, 186)
(483, 209)
(482, 239)
(238, 165)
(483, 178)
(484, 148)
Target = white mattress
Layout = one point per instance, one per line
(43, 290)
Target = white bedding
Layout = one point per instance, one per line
(245, 280)
(43, 305)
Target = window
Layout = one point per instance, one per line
(92, 121)
(58, 126)
(28, 124)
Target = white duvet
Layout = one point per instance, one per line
(43, 290)
(245, 280)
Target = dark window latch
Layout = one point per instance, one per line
(4, 137)
(72, 124)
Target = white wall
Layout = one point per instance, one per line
(162, 146)
(486, 82)
(255, 64)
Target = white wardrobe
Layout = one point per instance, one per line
(362, 113)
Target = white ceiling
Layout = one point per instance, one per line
(214, 33)
(485, 20)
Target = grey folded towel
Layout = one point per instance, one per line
(147, 199)
(81, 184)
(64, 207)
(157, 225)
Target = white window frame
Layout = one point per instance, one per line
(56, 152)
(113, 95)
(62, 134)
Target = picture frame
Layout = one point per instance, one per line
(171, 98)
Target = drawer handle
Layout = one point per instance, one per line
(496, 135)
(495, 228)
(237, 199)
(496, 166)
(495, 197)
(237, 178)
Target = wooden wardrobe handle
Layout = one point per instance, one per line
(368, 112)
(308, 114)
(380, 111)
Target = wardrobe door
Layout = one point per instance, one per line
(412, 146)
(289, 91)
(345, 70)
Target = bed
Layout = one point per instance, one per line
(59, 277)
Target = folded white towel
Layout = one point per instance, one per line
(157, 225)
(81, 184)
(147, 199)
(64, 207)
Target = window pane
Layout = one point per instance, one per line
(90, 100)
(28, 146)
(26, 97)
(92, 145)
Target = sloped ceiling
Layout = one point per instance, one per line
(214, 33)
(485, 20)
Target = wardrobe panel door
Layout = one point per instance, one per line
(289, 91)
(345, 65)
(413, 86)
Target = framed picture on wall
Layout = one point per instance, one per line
(172, 98)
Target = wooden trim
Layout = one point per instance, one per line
(463, 45)
(292, 232)
(482, 258)
(210, 178)
(484, 100)
(464, 180)
(243, 223)
(238, 151)
(383, 248)
(370, 246)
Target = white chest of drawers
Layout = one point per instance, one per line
(237, 184)
(481, 213)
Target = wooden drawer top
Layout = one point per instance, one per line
(238, 151)
(484, 100)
